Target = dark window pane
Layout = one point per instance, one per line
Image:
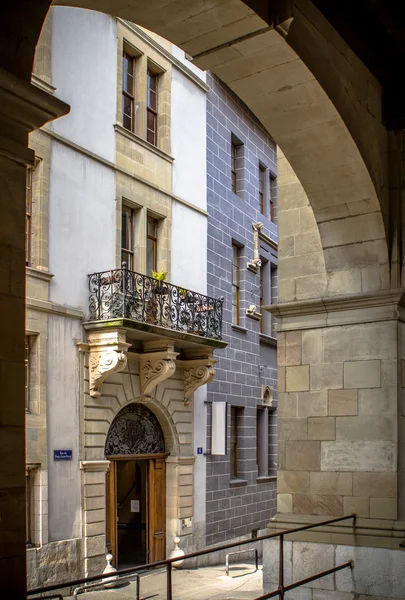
(150, 257)
(151, 227)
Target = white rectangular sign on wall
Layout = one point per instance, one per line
(218, 437)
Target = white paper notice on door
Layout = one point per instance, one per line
(135, 506)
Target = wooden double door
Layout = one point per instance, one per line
(136, 509)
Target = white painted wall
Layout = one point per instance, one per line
(188, 143)
(82, 224)
(63, 427)
(180, 55)
(84, 72)
(188, 139)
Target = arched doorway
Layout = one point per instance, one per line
(136, 487)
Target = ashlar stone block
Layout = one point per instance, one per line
(284, 503)
(293, 482)
(378, 485)
(358, 505)
(383, 508)
(362, 374)
(331, 483)
(342, 402)
(303, 456)
(321, 428)
(357, 456)
(297, 378)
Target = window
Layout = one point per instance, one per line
(262, 434)
(274, 298)
(27, 372)
(236, 165)
(128, 91)
(262, 172)
(261, 291)
(151, 246)
(236, 414)
(272, 442)
(233, 166)
(28, 216)
(235, 284)
(127, 236)
(265, 295)
(266, 442)
(273, 197)
(151, 116)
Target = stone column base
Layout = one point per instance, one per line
(377, 572)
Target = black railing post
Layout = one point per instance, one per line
(169, 594)
(281, 568)
(124, 280)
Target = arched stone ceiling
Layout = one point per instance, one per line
(314, 96)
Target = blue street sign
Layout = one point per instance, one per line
(199, 450)
(62, 455)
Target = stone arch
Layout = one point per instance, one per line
(320, 103)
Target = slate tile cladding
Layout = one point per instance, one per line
(246, 364)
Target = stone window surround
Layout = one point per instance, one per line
(140, 216)
(33, 339)
(142, 64)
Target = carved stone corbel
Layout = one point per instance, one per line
(157, 363)
(107, 350)
(198, 371)
(254, 264)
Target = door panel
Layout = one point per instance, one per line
(111, 512)
(157, 509)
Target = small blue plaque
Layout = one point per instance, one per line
(62, 455)
(199, 450)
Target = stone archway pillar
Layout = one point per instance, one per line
(23, 108)
(341, 436)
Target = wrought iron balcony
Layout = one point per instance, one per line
(121, 293)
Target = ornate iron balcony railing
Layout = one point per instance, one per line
(121, 293)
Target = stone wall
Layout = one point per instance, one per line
(249, 361)
(377, 573)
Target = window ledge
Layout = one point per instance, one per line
(136, 138)
(239, 328)
(266, 478)
(237, 482)
(269, 340)
(38, 273)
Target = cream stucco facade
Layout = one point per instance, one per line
(89, 167)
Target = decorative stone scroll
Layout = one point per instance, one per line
(107, 350)
(157, 363)
(254, 264)
(198, 371)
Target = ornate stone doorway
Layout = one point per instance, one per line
(136, 487)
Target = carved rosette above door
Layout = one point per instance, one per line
(107, 350)
(157, 363)
(198, 370)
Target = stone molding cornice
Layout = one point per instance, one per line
(95, 466)
(23, 108)
(43, 85)
(38, 274)
(107, 355)
(197, 372)
(54, 309)
(380, 533)
(339, 310)
(157, 364)
(172, 59)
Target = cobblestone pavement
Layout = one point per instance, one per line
(207, 583)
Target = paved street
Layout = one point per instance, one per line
(195, 584)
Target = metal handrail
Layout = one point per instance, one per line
(122, 293)
(168, 562)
